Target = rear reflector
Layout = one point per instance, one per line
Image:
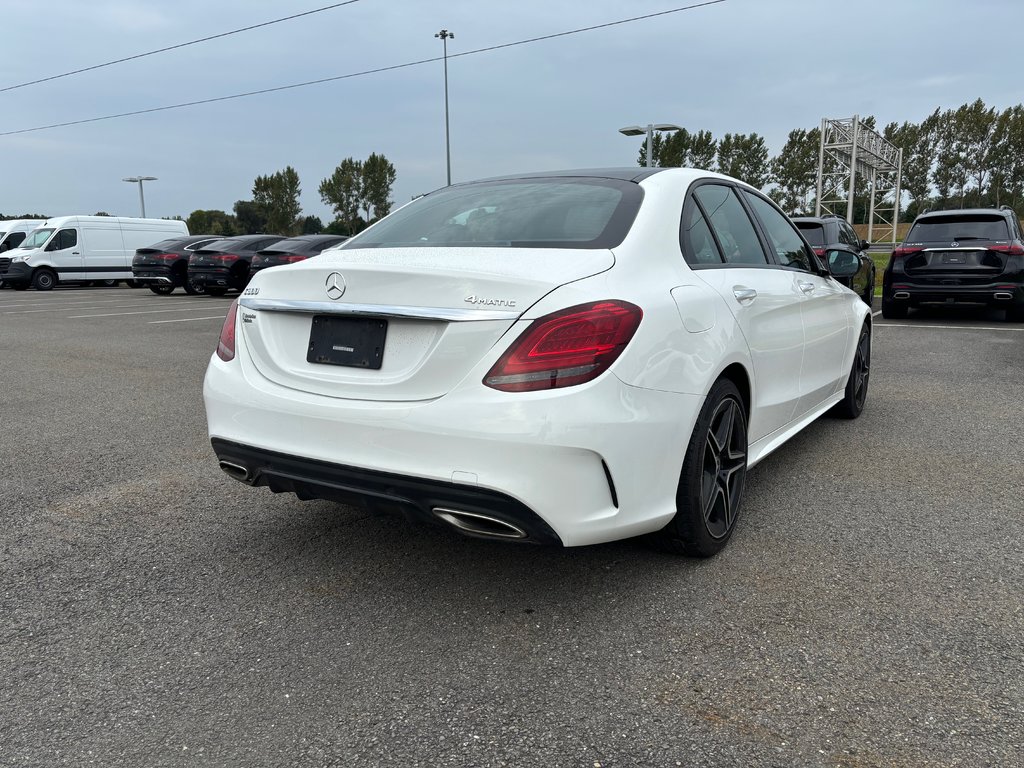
(566, 348)
(226, 344)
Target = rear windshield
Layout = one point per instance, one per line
(815, 233)
(222, 246)
(521, 213)
(163, 245)
(948, 229)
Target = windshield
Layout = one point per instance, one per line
(521, 213)
(948, 229)
(37, 239)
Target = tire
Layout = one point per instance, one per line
(44, 279)
(134, 283)
(893, 311)
(869, 291)
(711, 482)
(216, 290)
(162, 290)
(856, 392)
(192, 289)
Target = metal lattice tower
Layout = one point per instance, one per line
(848, 148)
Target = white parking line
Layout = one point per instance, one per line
(72, 309)
(185, 320)
(949, 327)
(143, 312)
(876, 313)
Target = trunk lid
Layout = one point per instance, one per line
(964, 264)
(444, 308)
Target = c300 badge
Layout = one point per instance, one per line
(251, 291)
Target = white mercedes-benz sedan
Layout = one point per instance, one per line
(564, 358)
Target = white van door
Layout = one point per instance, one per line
(64, 252)
(104, 254)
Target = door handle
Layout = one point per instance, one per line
(75, 253)
(805, 287)
(744, 294)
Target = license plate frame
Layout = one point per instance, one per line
(349, 342)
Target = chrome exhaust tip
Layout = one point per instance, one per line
(1004, 295)
(479, 525)
(901, 295)
(236, 471)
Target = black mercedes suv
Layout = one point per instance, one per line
(970, 256)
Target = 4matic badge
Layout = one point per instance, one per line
(480, 301)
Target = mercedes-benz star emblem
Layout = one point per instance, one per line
(335, 286)
(953, 244)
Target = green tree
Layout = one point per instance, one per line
(311, 225)
(744, 157)
(212, 222)
(278, 195)
(378, 177)
(343, 191)
(794, 170)
(251, 217)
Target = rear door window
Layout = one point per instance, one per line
(815, 233)
(732, 227)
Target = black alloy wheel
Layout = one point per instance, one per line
(162, 289)
(193, 289)
(44, 280)
(711, 483)
(856, 393)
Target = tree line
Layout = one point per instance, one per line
(358, 192)
(969, 156)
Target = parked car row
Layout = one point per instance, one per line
(158, 253)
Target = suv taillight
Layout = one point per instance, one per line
(1012, 249)
(225, 257)
(226, 344)
(904, 251)
(566, 348)
(165, 256)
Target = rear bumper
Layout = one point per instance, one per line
(416, 499)
(998, 294)
(157, 274)
(593, 463)
(211, 276)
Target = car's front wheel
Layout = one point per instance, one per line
(44, 280)
(711, 482)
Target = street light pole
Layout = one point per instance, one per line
(636, 130)
(142, 197)
(444, 34)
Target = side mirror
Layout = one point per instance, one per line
(842, 263)
(864, 245)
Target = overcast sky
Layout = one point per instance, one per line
(738, 66)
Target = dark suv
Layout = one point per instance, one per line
(224, 264)
(971, 256)
(164, 266)
(831, 233)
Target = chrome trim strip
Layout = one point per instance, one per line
(375, 310)
(962, 248)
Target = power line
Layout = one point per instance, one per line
(175, 47)
(363, 73)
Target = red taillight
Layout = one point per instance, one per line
(291, 258)
(226, 344)
(904, 251)
(819, 251)
(164, 256)
(566, 348)
(1012, 249)
(224, 256)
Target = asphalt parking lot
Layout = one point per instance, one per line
(153, 612)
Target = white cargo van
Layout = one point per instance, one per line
(82, 248)
(14, 231)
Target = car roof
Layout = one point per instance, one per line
(623, 173)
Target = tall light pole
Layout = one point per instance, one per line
(636, 130)
(142, 197)
(444, 34)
